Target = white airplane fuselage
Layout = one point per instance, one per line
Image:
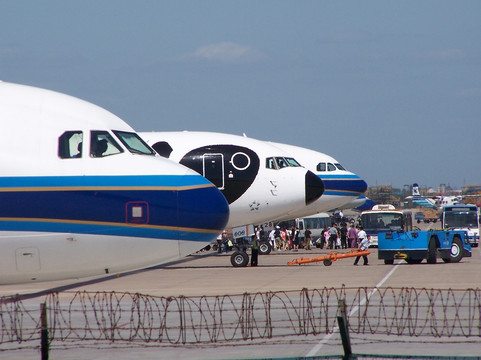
(259, 181)
(70, 210)
(341, 186)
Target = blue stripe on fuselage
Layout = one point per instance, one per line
(184, 205)
(102, 181)
(93, 228)
(343, 185)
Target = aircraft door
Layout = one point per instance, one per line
(213, 169)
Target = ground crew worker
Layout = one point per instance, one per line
(363, 245)
(255, 250)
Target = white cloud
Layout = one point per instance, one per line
(227, 52)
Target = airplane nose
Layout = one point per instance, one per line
(314, 187)
(362, 186)
(204, 208)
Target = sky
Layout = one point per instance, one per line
(390, 89)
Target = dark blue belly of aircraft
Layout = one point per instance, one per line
(172, 207)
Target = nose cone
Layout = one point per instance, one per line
(360, 186)
(314, 187)
(346, 185)
(204, 209)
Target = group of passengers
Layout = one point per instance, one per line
(283, 239)
(340, 237)
(345, 238)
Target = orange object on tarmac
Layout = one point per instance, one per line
(329, 258)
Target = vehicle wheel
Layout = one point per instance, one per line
(456, 253)
(327, 262)
(432, 251)
(414, 261)
(239, 259)
(388, 261)
(265, 248)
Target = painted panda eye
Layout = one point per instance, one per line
(240, 161)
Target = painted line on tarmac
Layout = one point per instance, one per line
(354, 310)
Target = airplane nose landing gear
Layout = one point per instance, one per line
(239, 259)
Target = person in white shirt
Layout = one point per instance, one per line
(363, 245)
(272, 239)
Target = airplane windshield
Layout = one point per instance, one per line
(103, 144)
(70, 145)
(293, 162)
(134, 143)
(281, 162)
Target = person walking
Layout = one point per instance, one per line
(352, 235)
(363, 245)
(272, 239)
(343, 232)
(277, 237)
(308, 238)
(295, 238)
(332, 236)
(220, 242)
(254, 250)
(324, 237)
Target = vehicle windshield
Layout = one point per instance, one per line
(460, 220)
(382, 221)
(134, 143)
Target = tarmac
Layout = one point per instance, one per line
(209, 273)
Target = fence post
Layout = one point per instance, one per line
(344, 330)
(44, 342)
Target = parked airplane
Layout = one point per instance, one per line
(435, 202)
(341, 186)
(421, 201)
(259, 181)
(81, 194)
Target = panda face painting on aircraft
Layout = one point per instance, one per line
(259, 181)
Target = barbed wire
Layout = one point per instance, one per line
(133, 317)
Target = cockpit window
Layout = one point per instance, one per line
(339, 166)
(163, 148)
(279, 162)
(134, 143)
(293, 162)
(331, 167)
(270, 163)
(103, 144)
(70, 145)
(321, 167)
